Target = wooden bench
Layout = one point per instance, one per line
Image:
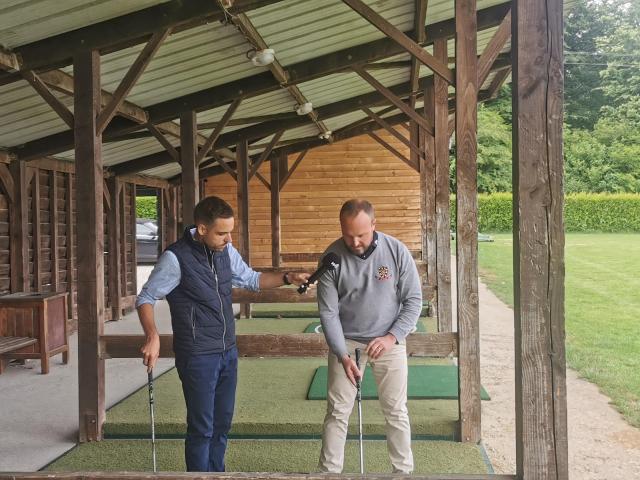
(9, 344)
(37, 319)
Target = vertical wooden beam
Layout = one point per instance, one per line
(443, 217)
(415, 137)
(541, 396)
(467, 220)
(37, 231)
(242, 162)
(190, 177)
(53, 230)
(115, 273)
(123, 240)
(428, 194)
(19, 229)
(283, 168)
(172, 215)
(134, 250)
(88, 154)
(71, 233)
(275, 209)
(161, 195)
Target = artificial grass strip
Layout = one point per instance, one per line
(271, 325)
(425, 382)
(315, 327)
(291, 456)
(297, 310)
(271, 400)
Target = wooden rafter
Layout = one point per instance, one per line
(265, 153)
(419, 19)
(131, 77)
(263, 83)
(202, 152)
(125, 31)
(493, 48)
(394, 151)
(293, 168)
(412, 146)
(164, 142)
(401, 39)
(387, 93)
(38, 85)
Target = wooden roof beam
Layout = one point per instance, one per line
(419, 20)
(124, 31)
(415, 49)
(262, 83)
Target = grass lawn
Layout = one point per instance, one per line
(602, 308)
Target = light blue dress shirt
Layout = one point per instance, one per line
(166, 276)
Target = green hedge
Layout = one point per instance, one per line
(583, 212)
(146, 207)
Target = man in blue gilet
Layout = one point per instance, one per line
(196, 275)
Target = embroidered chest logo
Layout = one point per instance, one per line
(383, 273)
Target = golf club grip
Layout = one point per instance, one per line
(150, 383)
(358, 358)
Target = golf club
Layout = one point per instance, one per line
(153, 427)
(359, 398)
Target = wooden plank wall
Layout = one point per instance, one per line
(311, 199)
(49, 271)
(5, 248)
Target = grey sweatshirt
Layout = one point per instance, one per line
(367, 298)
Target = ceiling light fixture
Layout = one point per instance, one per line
(261, 58)
(304, 108)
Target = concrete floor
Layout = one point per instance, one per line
(39, 413)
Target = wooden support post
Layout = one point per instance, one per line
(428, 197)
(19, 229)
(541, 396)
(115, 267)
(53, 230)
(71, 251)
(134, 250)
(37, 231)
(443, 218)
(123, 240)
(88, 154)
(275, 209)
(242, 162)
(190, 177)
(414, 136)
(467, 220)
(172, 213)
(161, 212)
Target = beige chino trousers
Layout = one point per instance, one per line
(390, 372)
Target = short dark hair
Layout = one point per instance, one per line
(353, 207)
(209, 209)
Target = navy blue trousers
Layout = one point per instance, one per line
(209, 387)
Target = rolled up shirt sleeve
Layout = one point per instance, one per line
(242, 275)
(163, 279)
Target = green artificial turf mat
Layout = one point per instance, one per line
(425, 382)
(271, 401)
(291, 456)
(315, 327)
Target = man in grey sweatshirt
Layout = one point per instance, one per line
(371, 301)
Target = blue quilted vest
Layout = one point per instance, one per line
(201, 310)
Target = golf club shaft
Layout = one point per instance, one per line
(153, 426)
(359, 399)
